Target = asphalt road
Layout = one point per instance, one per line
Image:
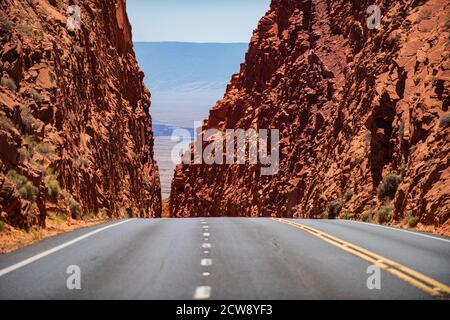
(230, 258)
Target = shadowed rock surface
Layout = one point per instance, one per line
(356, 109)
(75, 130)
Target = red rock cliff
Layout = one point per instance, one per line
(362, 113)
(75, 130)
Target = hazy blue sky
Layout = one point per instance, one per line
(195, 20)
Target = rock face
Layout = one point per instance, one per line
(75, 130)
(362, 113)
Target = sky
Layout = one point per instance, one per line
(195, 20)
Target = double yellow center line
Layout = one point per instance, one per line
(417, 279)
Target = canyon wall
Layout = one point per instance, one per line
(75, 130)
(362, 113)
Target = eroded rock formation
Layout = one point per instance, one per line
(356, 108)
(75, 130)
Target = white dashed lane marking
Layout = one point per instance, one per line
(203, 292)
(206, 262)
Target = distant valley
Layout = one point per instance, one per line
(185, 80)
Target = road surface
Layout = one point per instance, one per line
(230, 258)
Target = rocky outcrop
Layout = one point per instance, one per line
(75, 130)
(362, 113)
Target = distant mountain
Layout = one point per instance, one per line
(188, 66)
(186, 79)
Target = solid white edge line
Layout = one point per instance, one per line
(57, 248)
(397, 229)
(375, 225)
